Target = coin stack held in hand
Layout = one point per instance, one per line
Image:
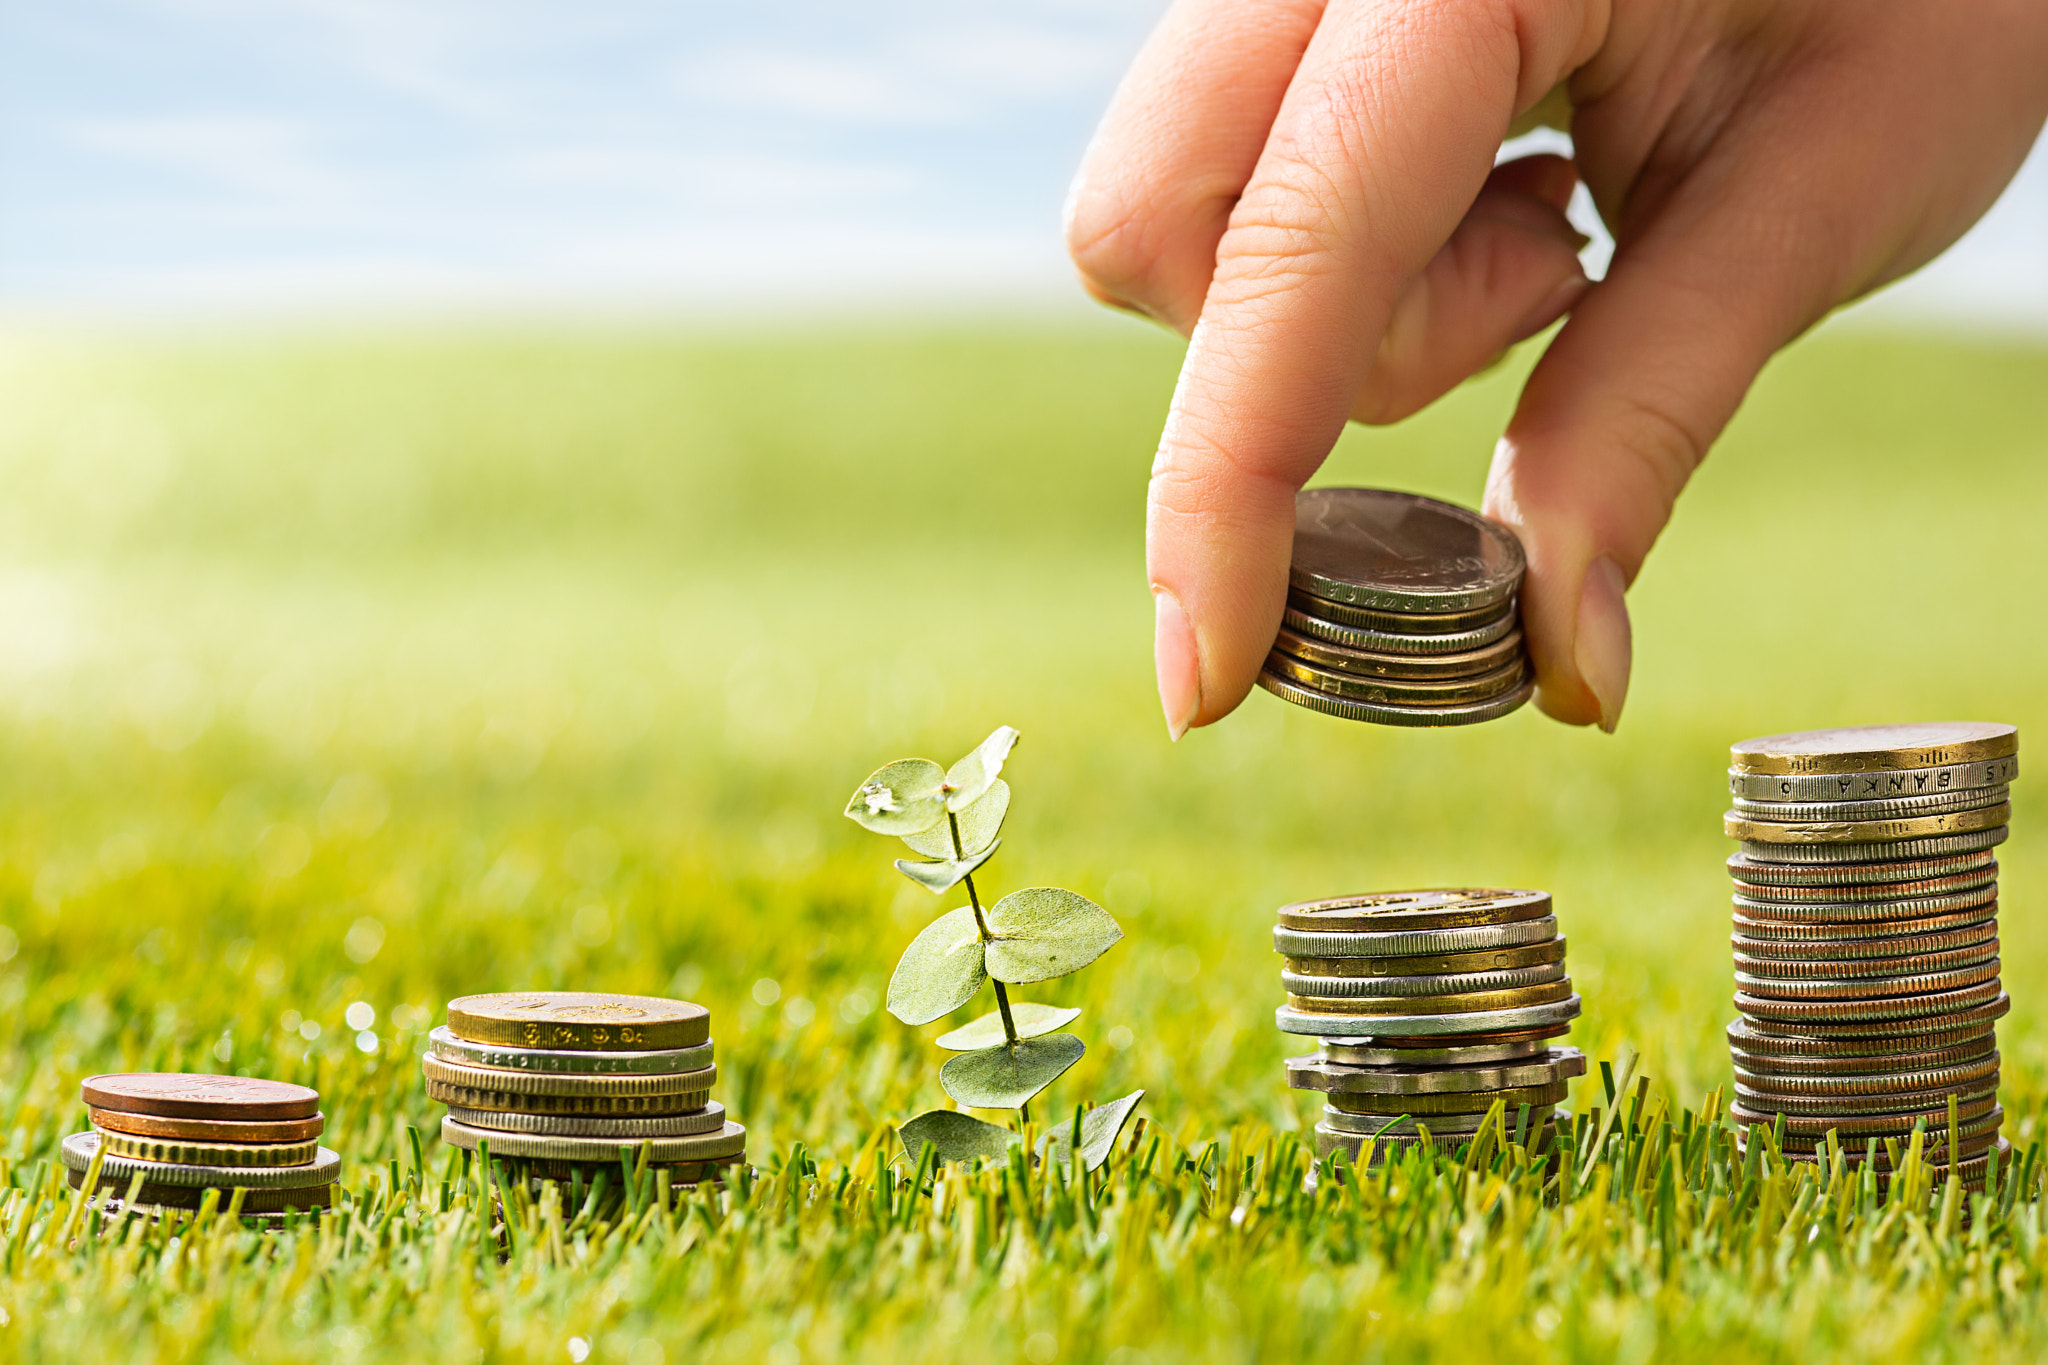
(182, 1135)
(565, 1082)
(1431, 1006)
(1866, 937)
(1401, 610)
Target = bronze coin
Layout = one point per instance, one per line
(1865, 949)
(199, 1096)
(1898, 1082)
(1750, 969)
(1870, 748)
(1443, 964)
(582, 1021)
(208, 1130)
(1874, 1125)
(1451, 908)
(1790, 931)
(1365, 663)
(1834, 832)
(1852, 1066)
(1929, 1101)
(1856, 1015)
(1876, 875)
(1983, 901)
(1401, 552)
(1968, 1020)
(1889, 891)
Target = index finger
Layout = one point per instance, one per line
(1385, 137)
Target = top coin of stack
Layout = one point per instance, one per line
(187, 1134)
(1866, 934)
(1431, 1006)
(1400, 611)
(565, 1081)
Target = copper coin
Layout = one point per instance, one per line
(1763, 1065)
(1885, 1083)
(582, 1021)
(1935, 1030)
(1888, 891)
(208, 1130)
(1744, 868)
(197, 1096)
(1450, 908)
(1401, 552)
(1864, 949)
(1931, 1100)
(1871, 748)
(1850, 1013)
(1874, 1125)
(1443, 964)
(1751, 969)
(1791, 931)
(1867, 912)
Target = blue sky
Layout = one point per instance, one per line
(318, 156)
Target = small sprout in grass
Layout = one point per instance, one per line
(952, 816)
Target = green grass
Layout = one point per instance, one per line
(383, 669)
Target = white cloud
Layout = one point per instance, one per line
(258, 156)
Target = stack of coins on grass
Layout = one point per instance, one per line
(563, 1083)
(1866, 938)
(1431, 1006)
(161, 1141)
(1400, 611)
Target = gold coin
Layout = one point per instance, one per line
(1387, 911)
(1468, 1102)
(1864, 831)
(583, 1021)
(207, 1153)
(566, 1083)
(636, 1106)
(1474, 1002)
(1421, 691)
(1870, 748)
(1444, 964)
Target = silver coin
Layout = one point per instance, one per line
(729, 1140)
(1862, 1106)
(1373, 547)
(1372, 640)
(1342, 1053)
(450, 1048)
(1399, 622)
(1412, 942)
(1481, 687)
(1884, 808)
(1744, 868)
(1318, 1073)
(1291, 1020)
(1882, 891)
(1413, 716)
(1439, 1125)
(1858, 1086)
(1753, 908)
(1883, 1010)
(78, 1151)
(1331, 1141)
(1776, 1040)
(1343, 987)
(1934, 846)
(1993, 772)
(1983, 933)
(709, 1119)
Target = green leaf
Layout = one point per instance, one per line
(987, 1031)
(979, 825)
(1042, 932)
(958, 1136)
(940, 971)
(1007, 1075)
(903, 797)
(973, 775)
(1099, 1129)
(939, 878)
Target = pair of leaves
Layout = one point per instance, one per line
(962, 1137)
(1008, 1075)
(912, 795)
(1034, 935)
(1030, 1021)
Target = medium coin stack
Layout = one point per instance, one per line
(1431, 1006)
(1866, 936)
(187, 1134)
(1401, 610)
(566, 1082)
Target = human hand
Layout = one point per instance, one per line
(1307, 192)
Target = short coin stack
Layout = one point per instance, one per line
(184, 1135)
(1401, 610)
(566, 1082)
(1431, 1006)
(1866, 936)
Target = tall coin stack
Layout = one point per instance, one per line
(1431, 1005)
(187, 1134)
(1866, 936)
(1400, 611)
(567, 1082)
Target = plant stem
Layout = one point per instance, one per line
(981, 924)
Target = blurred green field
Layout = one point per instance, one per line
(376, 669)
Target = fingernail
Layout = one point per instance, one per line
(1602, 649)
(1553, 307)
(1179, 664)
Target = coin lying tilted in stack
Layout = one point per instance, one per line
(184, 1135)
(565, 1082)
(1431, 1006)
(1401, 610)
(1866, 936)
